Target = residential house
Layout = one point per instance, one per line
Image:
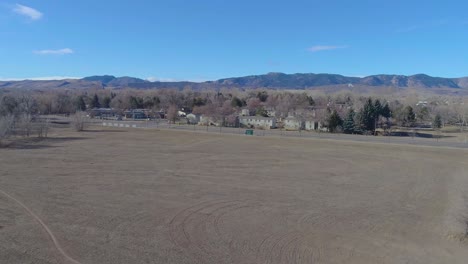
(207, 121)
(293, 123)
(193, 118)
(312, 125)
(136, 114)
(422, 103)
(103, 113)
(258, 122)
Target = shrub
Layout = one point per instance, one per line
(79, 121)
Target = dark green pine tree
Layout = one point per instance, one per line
(386, 112)
(367, 115)
(80, 104)
(437, 121)
(377, 109)
(410, 116)
(236, 102)
(95, 102)
(377, 112)
(348, 124)
(334, 121)
(106, 102)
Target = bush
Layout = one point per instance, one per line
(79, 121)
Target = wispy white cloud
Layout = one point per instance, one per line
(55, 52)
(318, 48)
(46, 78)
(27, 11)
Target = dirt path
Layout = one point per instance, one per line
(44, 226)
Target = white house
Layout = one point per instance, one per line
(312, 125)
(193, 119)
(292, 123)
(258, 121)
(422, 103)
(207, 120)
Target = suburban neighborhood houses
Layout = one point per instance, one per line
(243, 120)
(267, 109)
(343, 112)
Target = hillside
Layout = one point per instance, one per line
(270, 80)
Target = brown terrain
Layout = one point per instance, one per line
(160, 196)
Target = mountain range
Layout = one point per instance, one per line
(298, 81)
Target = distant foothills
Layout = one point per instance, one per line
(298, 81)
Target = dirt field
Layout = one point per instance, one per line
(148, 196)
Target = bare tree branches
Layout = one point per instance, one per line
(79, 121)
(6, 123)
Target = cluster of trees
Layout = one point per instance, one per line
(371, 116)
(18, 115)
(343, 111)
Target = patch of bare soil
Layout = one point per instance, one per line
(147, 196)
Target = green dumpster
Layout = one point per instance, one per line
(249, 132)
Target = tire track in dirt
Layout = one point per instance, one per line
(287, 247)
(197, 232)
(456, 218)
(44, 226)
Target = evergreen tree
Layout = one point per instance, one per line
(367, 116)
(198, 102)
(236, 102)
(262, 96)
(136, 102)
(106, 102)
(409, 116)
(95, 102)
(386, 112)
(80, 104)
(377, 112)
(348, 124)
(377, 109)
(437, 121)
(334, 121)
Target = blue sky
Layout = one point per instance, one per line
(205, 40)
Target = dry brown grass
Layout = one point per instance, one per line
(147, 196)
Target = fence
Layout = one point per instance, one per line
(119, 125)
(442, 141)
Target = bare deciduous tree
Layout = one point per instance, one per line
(23, 124)
(79, 121)
(43, 127)
(6, 123)
(172, 113)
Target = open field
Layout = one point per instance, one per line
(166, 196)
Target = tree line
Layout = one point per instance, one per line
(345, 112)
